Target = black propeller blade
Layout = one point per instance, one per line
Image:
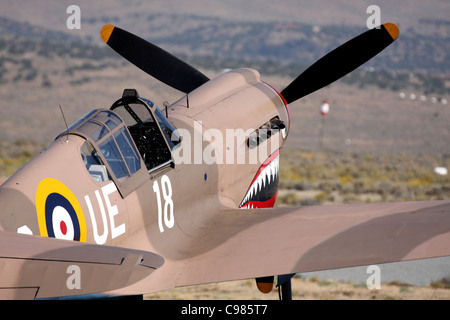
(153, 60)
(341, 61)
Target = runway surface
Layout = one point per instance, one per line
(418, 273)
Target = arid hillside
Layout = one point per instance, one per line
(43, 64)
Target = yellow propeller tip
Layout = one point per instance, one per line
(392, 29)
(106, 31)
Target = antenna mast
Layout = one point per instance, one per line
(64, 118)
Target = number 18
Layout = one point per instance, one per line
(167, 213)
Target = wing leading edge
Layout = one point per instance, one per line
(242, 244)
(37, 267)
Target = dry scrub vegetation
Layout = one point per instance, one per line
(305, 289)
(308, 178)
(15, 154)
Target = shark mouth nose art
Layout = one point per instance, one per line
(263, 190)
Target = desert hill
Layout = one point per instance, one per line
(43, 64)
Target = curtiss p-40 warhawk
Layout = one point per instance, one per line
(134, 199)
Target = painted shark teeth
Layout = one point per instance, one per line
(265, 179)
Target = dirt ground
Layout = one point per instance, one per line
(304, 289)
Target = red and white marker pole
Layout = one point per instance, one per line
(324, 110)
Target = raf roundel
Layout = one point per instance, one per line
(59, 212)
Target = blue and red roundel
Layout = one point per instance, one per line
(59, 212)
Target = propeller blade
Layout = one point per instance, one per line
(153, 60)
(341, 61)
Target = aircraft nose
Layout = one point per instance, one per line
(17, 212)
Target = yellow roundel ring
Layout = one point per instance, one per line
(58, 211)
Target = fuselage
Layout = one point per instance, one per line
(132, 177)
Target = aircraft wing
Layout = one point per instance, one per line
(251, 243)
(66, 267)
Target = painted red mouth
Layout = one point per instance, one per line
(263, 190)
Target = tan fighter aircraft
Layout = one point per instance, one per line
(134, 199)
